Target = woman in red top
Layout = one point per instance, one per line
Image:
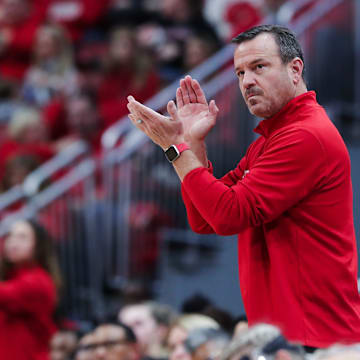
(29, 277)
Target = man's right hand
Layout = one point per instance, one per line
(197, 116)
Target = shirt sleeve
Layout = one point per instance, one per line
(196, 221)
(290, 167)
(27, 293)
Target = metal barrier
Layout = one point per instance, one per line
(9, 201)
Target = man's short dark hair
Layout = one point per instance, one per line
(129, 333)
(289, 47)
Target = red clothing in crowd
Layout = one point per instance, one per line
(10, 149)
(16, 57)
(117, 86)
(290, 202)
(242, 16)
(76, 15)
(27, 302)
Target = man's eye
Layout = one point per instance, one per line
(259, 66)
(241, 73)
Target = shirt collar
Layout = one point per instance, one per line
(285, 115)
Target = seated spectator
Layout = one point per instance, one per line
(113, 342)
(150, 322)
(27, 134)
(338, 352)
(17, 168)
(198, 47)
(129, 70)
(77, 15)
(19, 20)
(241, 325)
(206, 343)
(241, 16)
(262, 340)
(63, 345)
(8, 104)
(134, 292)
(167, 34)
(180, 331)
(198, 303)
(29, 283)
(82, 121)
(84, 350)
(52, 74)
(90, 57)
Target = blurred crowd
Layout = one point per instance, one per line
(67, 66)
(153, 331)
(137, 328)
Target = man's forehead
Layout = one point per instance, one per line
(135, 311)
(110, 331)
(263, 45)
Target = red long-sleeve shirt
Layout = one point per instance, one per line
(27, 302)
(290, 202)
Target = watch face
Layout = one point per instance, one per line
(172, 153)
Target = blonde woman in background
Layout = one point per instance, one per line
(180, 330)
(52, 73)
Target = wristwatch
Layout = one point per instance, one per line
(174, 151)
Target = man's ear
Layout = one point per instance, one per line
(296, 67)
(282, 355)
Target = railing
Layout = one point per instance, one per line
(45, 172)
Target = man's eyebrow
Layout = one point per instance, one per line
(256, 61)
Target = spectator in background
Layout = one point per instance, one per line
(8, 104)
(241, 16)
(167, 33)
(84, 350)
(82, 121)
(198, 303)
(262, 340)
(29, 285)
(77, 16)
(180, 331)
(205, 343)
(198, 47)
(241, 325)
(338, 352)
(114, 342)
(63, 345)
(150, 322)
(52, 74)
(16, 169)
(19, 20)
(27, 135)
(129, 69)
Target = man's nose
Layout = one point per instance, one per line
(248, 80)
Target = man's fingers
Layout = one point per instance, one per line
(143, 112)
(213, 109)
(139, 123)
(198, 92)
(185, 93)
(172, 110)
(133, 111)
(191, 91)
(179, 98)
